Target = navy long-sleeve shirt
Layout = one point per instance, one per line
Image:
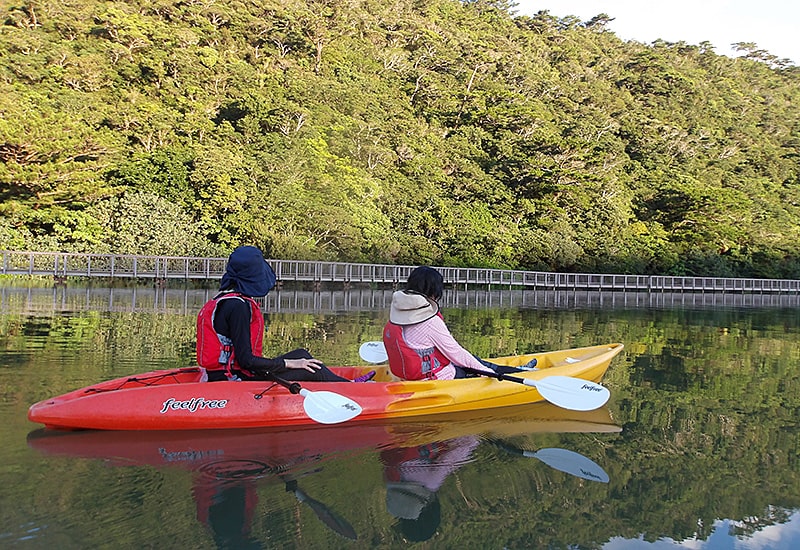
(232, 319)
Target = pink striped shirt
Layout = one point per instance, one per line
(434, 333)
(432, 473)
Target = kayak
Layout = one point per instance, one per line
(181, 399)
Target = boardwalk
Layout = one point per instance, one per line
(159, 268)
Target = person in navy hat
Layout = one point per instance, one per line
(230, 329)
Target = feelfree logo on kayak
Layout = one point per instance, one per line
(192, 405)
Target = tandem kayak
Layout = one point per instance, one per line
(180, 399)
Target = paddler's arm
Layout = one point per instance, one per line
(451, 349)
(233, 320)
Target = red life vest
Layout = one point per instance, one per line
(238, 502)
(409, 363)
(215, 351)
(395, 459)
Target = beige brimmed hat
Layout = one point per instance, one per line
(406, 500)
(410, 308)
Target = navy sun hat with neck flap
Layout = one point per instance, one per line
(248, 272)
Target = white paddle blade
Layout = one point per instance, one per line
(571, 462)
(571, 393)
(373, 352)
(329, 408)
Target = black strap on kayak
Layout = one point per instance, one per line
(261, 394)
(141, 381)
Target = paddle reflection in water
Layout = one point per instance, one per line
(562, 460)
(226, 498)
(229, 467)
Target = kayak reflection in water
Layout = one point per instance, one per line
(413, 476)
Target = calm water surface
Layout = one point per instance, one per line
(698, 447)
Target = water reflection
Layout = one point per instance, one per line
(413, 477)
(228, 466)
(706, 390)
(226, 500)
(189, 300)
(226, 496)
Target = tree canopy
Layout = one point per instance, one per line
(433, 131)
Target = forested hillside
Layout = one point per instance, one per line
(400, 131)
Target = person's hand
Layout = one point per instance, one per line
(311, 365)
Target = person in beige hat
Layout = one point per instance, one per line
(418, 343)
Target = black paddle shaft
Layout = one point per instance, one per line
(497, 375)
(293, 387)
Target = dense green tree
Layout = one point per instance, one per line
(138, 221)
(417, 132)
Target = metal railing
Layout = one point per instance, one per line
(62, 265)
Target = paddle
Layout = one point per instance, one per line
(324, 407)
(325, 514)
(565, 391)
(562, 460)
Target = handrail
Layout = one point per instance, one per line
(160, 268)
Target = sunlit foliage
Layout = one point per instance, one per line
(418, 132)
